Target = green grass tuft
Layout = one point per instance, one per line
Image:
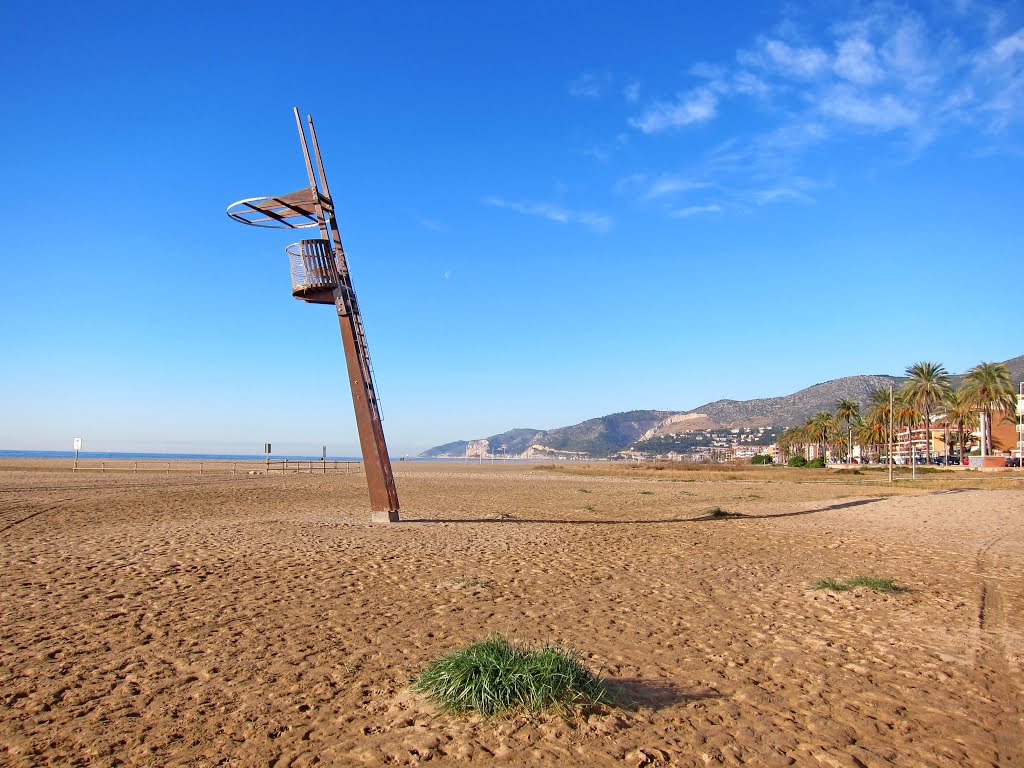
(494, 677)
(879, 585)
(716, 512)
(467, 582)
(583, 490)
(646, 493)
(832, 585)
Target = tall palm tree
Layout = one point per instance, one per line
(929, 383)
(988, 387)
(847, 412)
(872, 432)
(819, 429)
(960, 415)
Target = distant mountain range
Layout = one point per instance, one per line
(608, 435)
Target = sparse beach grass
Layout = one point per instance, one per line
(495, 677)
(473, 582)
(870, 582)
(717, 512)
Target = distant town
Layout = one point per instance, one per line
(707, 445)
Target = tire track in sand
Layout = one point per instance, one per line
(52, 506)
(991, 662)
(14, 505)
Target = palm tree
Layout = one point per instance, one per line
(873, 433)
(819, 428)
(988, 387)
(905, 414)
(877, 417)
(928, 385)
(789, 440)
(847, 412)
(836, 439)
(960, 414)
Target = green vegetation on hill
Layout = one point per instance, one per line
(606, 435)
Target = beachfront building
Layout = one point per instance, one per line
(911, 442)
(750, 451)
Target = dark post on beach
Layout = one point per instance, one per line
(320, 275)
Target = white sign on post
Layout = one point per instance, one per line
(78, 443)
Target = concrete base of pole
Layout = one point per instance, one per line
(384, 517)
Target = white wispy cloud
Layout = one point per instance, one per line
(884, 112)
(791, 137)
(589, 85)
(857, 61)
(749, 84)
(668, 184)
(697, 106)
(910, 58)
(601, 154)
(596, 221)
(432, 225)
(649, 187)
(778, 194)
(791, 61)
(1009, 46)
(1001, 68)
(905, 75)
(886, 68)
(696, 210)
(552, 212)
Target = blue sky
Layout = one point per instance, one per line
(551, 213)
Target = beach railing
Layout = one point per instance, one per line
(219, 467)
(313, 466)
(131, 466)
(149, 465)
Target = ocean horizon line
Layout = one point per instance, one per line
(22, 454)
(143, 455)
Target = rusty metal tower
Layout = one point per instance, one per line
(320, 276)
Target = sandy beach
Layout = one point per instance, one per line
(170, 619)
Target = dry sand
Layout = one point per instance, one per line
(251, 620)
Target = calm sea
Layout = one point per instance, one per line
(231, 457)
(161, 456)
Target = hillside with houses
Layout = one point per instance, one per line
(726, 430)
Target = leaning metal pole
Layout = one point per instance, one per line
(380, 480)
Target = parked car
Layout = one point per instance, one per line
(1010, 462)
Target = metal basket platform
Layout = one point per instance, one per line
(314, 271)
